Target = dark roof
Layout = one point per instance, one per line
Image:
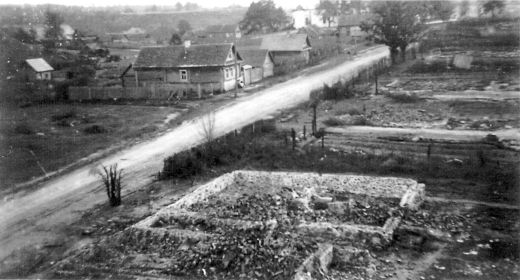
(179, 56)
(278, 42)
(254, 57)
(221, 28)
(352, 20)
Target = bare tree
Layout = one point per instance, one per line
(208, 128)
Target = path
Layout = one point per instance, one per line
(31, 218)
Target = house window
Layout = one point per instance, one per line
(183, 75)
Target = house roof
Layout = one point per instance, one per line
(254, 57)
(179, 56)
(221, 28)
(39, 65)
(278, 42)
(352, 20)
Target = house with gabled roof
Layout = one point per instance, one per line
(284, 47)
(41, 70)
(189, 67)
(257, 64)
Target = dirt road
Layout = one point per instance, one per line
(32, 218)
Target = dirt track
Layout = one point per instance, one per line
(31, 218)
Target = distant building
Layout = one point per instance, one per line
(188, 67)
(258, 64)
(284, 47)
(223, 33)
(40, 70)
(132, 38)
(350, 25)
(305, 17)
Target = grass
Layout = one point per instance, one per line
(57, 135)
(404, 97)
(269, 152)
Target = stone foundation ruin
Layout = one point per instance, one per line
(246, 220)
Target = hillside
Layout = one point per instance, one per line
(159, 25)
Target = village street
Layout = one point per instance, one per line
(31, 218)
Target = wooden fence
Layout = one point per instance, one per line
(152, 92)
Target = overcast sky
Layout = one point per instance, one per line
(287, 4)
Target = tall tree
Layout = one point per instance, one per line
(328, 11)
(263, 17)
(175, 39)
(183, 26)
(464, 8)
(53, 22)
(178, 6)
(441, 9)
(396, 24)
(493, 7)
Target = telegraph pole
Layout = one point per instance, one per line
(236, 71)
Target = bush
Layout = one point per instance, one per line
(95, 129)
(337, 91)
(354, 112)
(111, 178)
(360, 120)
(333, 121)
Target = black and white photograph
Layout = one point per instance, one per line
(260, 139)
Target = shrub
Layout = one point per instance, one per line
(354, 112)
(336, 92)
(111, 178)
(95, 129)
(360, 120)
(183, 165)
(333, 121)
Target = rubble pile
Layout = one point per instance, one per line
(256, 225)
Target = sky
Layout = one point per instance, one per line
(287, 4)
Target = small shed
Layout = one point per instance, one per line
(260, 61)
(42, 71)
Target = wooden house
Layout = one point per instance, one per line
(285, 48)
(260, 62)
(208, 67)
(39, 70)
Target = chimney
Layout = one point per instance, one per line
(187, 45)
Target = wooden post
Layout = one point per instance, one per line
(293, 136)
(304, 132)
(314, 119)
(375, 77)
(323, 141)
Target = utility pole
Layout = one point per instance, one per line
(236, 70)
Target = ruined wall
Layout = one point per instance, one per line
(369, 185)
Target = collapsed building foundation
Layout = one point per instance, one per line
(280, 209)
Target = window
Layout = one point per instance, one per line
(183, 75)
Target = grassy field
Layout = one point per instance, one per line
(39, 139)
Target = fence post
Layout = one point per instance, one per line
(293, 136)
(304, 132)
